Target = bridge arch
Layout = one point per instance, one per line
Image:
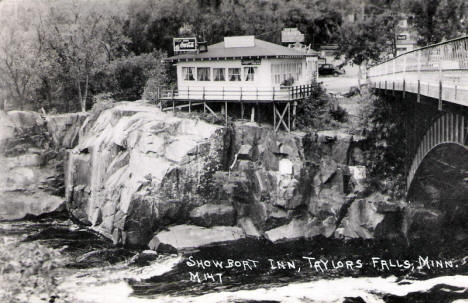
(449, 128)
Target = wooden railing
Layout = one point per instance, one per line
(439, 71)
(289, 93)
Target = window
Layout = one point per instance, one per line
(284, 71)
(249, 73)
(188, 73)
(203, 74)
(218, 74)
(234, 74)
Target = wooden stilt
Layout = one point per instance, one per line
(281, 117)
(258, 113)
(190, 101)
(225, 112)
(242, 110)
(210, 109)
(294, 115)
(274, 116)
(252, 114)
(289, 116)
(204, 103)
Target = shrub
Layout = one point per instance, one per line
(319, 111)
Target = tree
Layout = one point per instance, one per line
(82, 37)
(437, 20)
(21, 52)
(368, 39)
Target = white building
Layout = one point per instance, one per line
(243, 68)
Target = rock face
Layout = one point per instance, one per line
(137, 170)
(31, 164)
(140, 177)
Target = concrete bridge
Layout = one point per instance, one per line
(433, 80)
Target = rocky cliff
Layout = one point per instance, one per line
(147, 178)
(31, 162)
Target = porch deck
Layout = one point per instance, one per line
(282, 101)
(258, 95)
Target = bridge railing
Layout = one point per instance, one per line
(438, 71)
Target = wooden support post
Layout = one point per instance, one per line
(273, 94)
(294, 115)
(281, 117)
(204, 102)
(210, 110)
(252, 113)
(274, 116)
(225, 111)
(440, 96)
(189, 101)
(289, 116)
(242, 110)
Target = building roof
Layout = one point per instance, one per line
(260, 49)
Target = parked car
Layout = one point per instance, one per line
(329, 69)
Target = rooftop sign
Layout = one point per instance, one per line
(291, 35)
(239, 41)
(185, 44)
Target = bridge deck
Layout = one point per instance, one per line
(438, 71)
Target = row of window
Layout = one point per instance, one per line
(283, 72)
(218, 74)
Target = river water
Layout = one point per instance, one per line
(323, 270)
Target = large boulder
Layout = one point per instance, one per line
(294, 230)
(137, 169)
(213, 214)
(188, 237)
(361, 220)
